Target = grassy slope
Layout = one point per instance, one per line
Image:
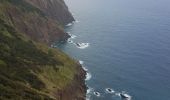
(29, 70)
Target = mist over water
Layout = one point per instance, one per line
(129, 46)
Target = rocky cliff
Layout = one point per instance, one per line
(29, 69)
(55, 9)
(41, 20)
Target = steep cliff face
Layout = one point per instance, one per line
(41, 20)
(55, 9)
(29, 69)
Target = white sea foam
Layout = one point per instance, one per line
(97, 94)
(117, 94)
(81, 62)
(88, 97)
(69, 41)
(89, 92)
(88, 76)
(128, 97)
(77, 21)
(82, 45)
(85, 68)
(72, 36)
(70, 24)
(109, 90)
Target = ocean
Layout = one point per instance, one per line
(124, 45)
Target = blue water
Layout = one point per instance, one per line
(129, 46)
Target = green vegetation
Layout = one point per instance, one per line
(29, 70)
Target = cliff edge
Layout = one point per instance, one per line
(29, 69)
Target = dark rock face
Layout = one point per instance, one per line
(55, 9)
(37, 28)
(41, 20)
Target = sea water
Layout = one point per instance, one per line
(128, 47)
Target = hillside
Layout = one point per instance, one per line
(29, 69)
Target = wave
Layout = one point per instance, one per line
(69, 24)
(69, 41)
(88, 76)
(97, 94)
(117, 94)
(109, 90)
(90, 90)
(82, 45)
(81, 62)
(85, 68)
(72, 36)
(88, 93)
(123, 95)
(88, 97)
